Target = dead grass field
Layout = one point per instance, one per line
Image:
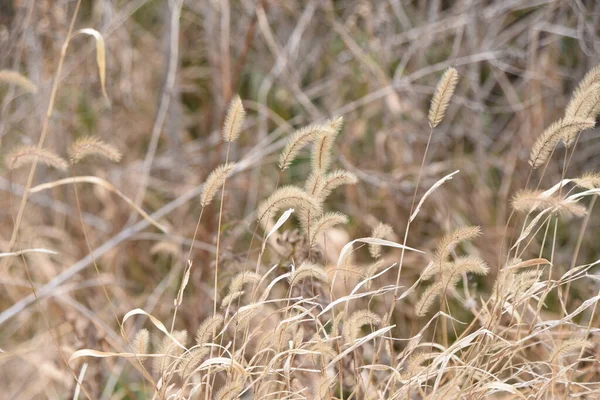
(317, 199)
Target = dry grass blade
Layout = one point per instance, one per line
(26, 155)
(107, 354)
(360, 342)
(214, 181)
(156, 322)
(100, 55)
(16, 78)
(429, 192)
(371, 272)
(223, 362)
(347, 249)
(26, 251)
(106, 185)
(517, 264)
(441, 98)
(90, 145)
(234, 120)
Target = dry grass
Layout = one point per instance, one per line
(398, 205)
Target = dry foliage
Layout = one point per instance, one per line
(345, 260)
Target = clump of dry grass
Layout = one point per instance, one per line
(295, 326)
(288, 328)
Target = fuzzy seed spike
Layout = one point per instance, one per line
(298, 140)
(283, 198)
(583, 98)
(356, 321)
(242, 278)
(441, 98)
(564, 129)
(140, 343)
(321, 151)
(27, 154)
(308, 270)
(327, 221)
(214, 181)
(589, 180)
(89, 145)
(234, 120)
(427, 299)
(333, 180)
(17, 79)
(567, 347)
(452, 239)
(381, 231)
(206, 328)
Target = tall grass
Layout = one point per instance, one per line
(293, 331)
(280, 280)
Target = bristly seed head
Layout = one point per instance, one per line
(234, 120)
(90, 145)
(214, 181)
(27, 154)
(441, 97)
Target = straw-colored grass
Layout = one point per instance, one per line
(400, 251)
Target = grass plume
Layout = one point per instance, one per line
(25, 155)
(234, 120)
(298, 140)
(214, 182)
(565, 129)
(442, 96)
(89, 145)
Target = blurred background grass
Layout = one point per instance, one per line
(171, 73)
